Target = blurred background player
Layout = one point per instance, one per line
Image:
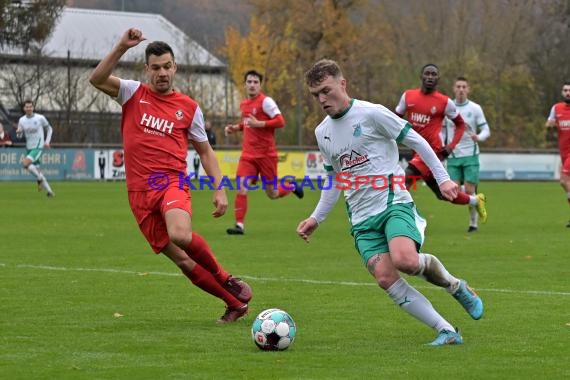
(5, 140)
(212, 140)
(560, 118)
(37, 131)
(425, 109)
(210, 133)
(260, 116)
(387, 229)
(163, 211)
(463, 162)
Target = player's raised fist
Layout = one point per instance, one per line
(132, 37)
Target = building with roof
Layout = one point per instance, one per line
(55, 75)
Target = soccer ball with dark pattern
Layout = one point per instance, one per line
(273, 330)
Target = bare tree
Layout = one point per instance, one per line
(28, 79)
(27, 23)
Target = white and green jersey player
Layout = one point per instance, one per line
(463, 162)
(37, 132)
(467, 150)
(360, 151)
(359, 141)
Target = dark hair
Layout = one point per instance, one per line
(321, 70)
(566, 83)
(255, 74)
(157, 48)
(461, 78)
(27, 101)
(428, 65)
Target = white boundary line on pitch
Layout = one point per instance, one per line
(268, 279)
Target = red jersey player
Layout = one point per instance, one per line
(560, 118)
(157, 124)
(260, 116)
(426, 109)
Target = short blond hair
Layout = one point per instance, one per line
(321, 70)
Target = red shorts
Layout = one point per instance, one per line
(265, 167)
(419, 164)
(565, 169)
(149, 208)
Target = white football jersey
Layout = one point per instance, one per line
(362, 141)
(34, 128)
(475, 121)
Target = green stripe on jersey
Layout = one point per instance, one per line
(403, 132)
(390, 190)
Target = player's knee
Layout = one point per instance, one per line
(386, 279)
(470, 188)
(406, 263)
(185, 263)
(180, 236)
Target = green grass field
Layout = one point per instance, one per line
(83, 296)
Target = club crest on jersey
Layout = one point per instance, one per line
(349, 161)
(433, 110)
(254, 111)
(179, 115)
(357, 130)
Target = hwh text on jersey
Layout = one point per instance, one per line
(160, 125)
(420, 118)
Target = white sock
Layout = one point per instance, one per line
(417, 305)
(473, 216)
(34, 170)
(240, 225)
(473, 200)
(46, 185)
(433, 271)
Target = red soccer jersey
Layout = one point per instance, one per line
(156, 129)
(562, 118)
(426, 113)
(258, 142)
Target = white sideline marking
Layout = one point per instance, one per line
(269, 279)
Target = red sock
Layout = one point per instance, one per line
(240, 208)
(283, 191)
(461, 199)
(205, 281)
(200, 252)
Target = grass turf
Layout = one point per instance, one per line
(83, 297)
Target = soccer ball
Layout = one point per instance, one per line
(273, 330)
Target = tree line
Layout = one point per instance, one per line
(514, 52)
